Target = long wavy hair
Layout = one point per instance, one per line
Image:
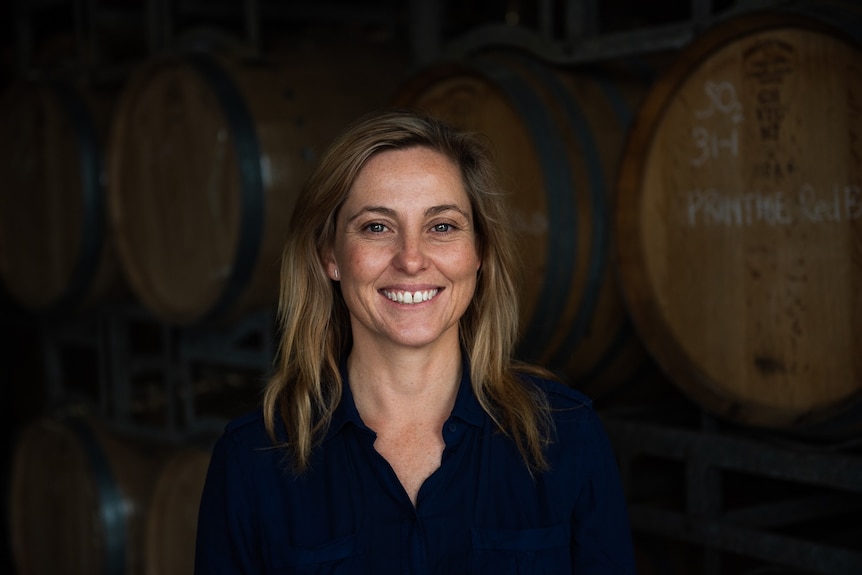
(314, 323)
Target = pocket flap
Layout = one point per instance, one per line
(341, 548)
(522, 539)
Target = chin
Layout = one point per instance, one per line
(419, 338)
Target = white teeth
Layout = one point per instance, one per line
(410, 297)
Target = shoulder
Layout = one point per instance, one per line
(577, 429)
(245, 443)
(244, 422)
(571, 411)
(248, 430)
(558, 394)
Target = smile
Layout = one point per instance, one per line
(410, 297)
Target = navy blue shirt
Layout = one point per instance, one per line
(480, 512)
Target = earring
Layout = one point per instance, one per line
(336, 273)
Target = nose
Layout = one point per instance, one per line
(410, 256)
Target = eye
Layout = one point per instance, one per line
(443, 228)
(375, 227)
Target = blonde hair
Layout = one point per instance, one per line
(315, 324)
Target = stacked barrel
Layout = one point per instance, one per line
(56, 251)
(85, 499)
(739, 223)
(719, 235)
(169, 193)
(208, 153)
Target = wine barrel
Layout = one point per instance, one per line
(558, 136)
(78, 498)
(56, 254)
(208, 152)
(739, 222)
(173, 513)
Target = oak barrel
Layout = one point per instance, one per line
(56, 253)
(739, 222)
(208, 152)
(558, 136)
(173, 513)
(78, 498)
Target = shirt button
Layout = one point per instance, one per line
(453, 428)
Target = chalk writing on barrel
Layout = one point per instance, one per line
(712, 207)
(721, 100)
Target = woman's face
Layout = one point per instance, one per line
(405, 250)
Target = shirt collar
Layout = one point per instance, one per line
(467, 407)
(346, 411)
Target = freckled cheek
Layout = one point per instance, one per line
(365, 262)
(463, 262)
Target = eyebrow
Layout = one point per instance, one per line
(432, 211)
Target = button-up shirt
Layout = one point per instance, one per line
(480, 512)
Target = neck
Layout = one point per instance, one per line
(409, 386)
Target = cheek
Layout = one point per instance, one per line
(462, 268)
(363, 261)
(469, 260)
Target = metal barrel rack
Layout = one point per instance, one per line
(744, 492)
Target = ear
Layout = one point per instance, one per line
(330, 265)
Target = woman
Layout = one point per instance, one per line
(397, 435)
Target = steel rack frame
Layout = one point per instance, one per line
(801, 484)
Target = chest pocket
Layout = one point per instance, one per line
(332, 558)
(522, 551)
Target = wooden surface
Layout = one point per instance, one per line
(63, 518)
(173, 513)
(53, 505)
(739, 221)
(42, 198)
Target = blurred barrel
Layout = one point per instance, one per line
(208, 152)
(558, 135)
(55, 249)
(173, 513)
(79, 496)
(739, 222)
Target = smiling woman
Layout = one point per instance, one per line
(397, 434)
(404, 232)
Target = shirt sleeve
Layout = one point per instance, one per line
(601, 532)
(226, 540)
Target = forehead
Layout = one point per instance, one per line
(417, 175)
